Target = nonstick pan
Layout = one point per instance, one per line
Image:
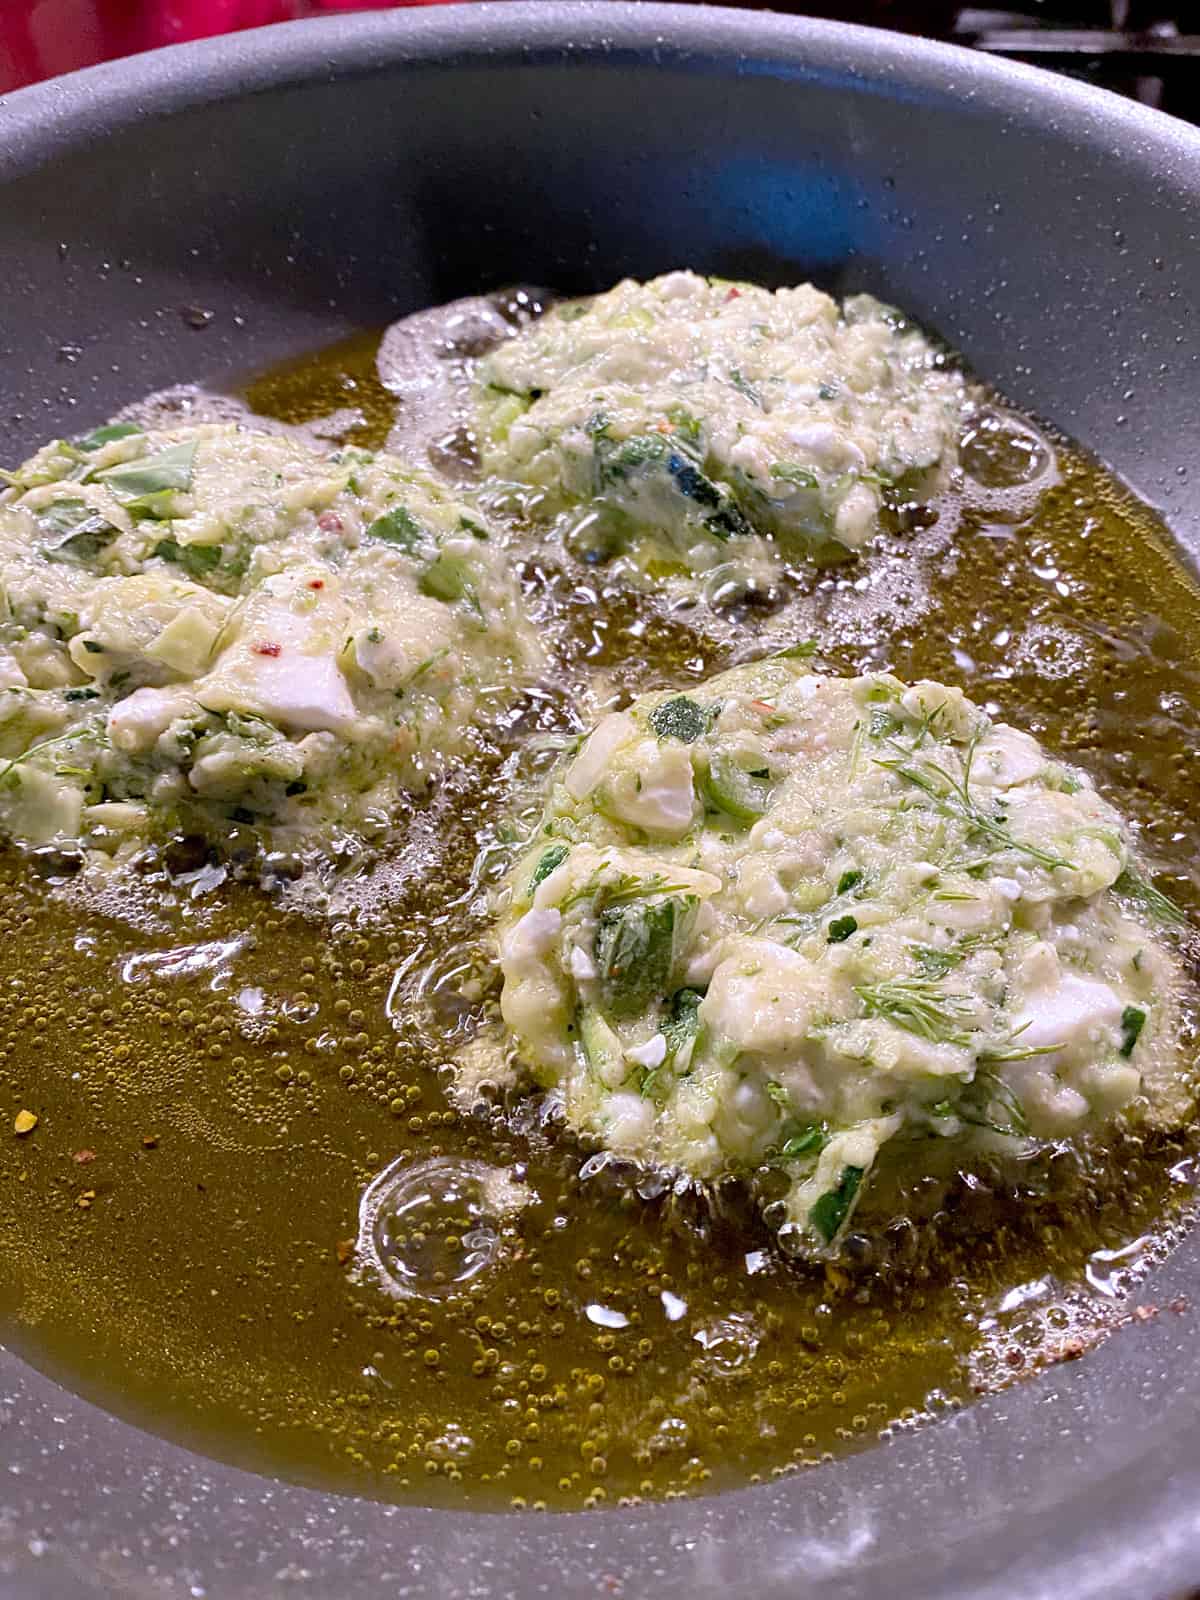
(315, 178)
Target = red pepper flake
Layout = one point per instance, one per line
(84, 1156)
(330, 522)
(734, 294)
(267, 649)
(316, 583)
(761, 705)
(1070, 1350)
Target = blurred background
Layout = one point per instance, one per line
(1148, 49)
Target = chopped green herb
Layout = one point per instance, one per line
(831, 1210)
(75, 531)
(1018, 1052)
(1133, 1020)
(619, 459)
(849, 880)
(397, 526)
(682, 1022)
(918, 1005)
(197, 560)
(637, 951)
(107, 434)
(685, 424)
(796, 1137)
(1148, 897)
(745, 387)
(936, 963)
(840, 929)
(616, 461)
(800, 651)
(680, 718)
(986, 1094)
(799, 1140)
(952, 797)
(789, 472)
(148, 486)
(551, 858)
(9, 774)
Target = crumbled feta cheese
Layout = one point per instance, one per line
(651, 1054)
(136, 722)
(830, 954)
(281, 595)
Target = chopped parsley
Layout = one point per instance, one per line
(1133, 1020)
(637, 950)
(550, 859)
(831, 1210)
(680, 718)
(397, 526)
(197, 560)
(74, 531)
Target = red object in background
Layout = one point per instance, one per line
(42, 38)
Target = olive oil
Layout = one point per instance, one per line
(219, 1076)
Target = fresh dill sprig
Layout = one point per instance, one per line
(935, 963)
(986, 1091)
(87, 731)
(1017, 1052)
(925, 728)
(952, 797)
(1009, 1050)
(1152, 900)
(919, 1006)
(625, 887)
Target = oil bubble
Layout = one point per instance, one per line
(999, 452)
(1112, 1273)
(728, 1342)
(427, 1228)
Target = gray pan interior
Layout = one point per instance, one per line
(323, 176)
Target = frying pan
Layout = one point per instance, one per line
(325, 176)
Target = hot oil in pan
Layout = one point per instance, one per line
(218, 1080)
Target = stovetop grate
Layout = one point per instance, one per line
(1147, 49)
